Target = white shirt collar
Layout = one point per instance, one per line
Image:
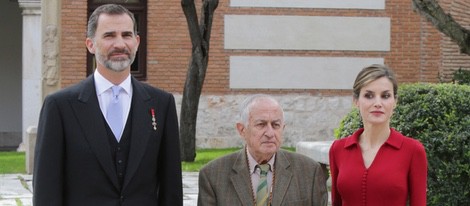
(102, 84)
(252, 162)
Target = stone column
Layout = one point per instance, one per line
(32, 89)
(29, 145)
(51, 49)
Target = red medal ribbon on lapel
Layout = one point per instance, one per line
(154, 123)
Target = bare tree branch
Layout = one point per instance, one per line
(444, 23)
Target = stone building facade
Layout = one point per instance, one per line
(305, 53)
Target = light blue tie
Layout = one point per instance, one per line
(114, 113)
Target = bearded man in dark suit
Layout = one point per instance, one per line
(82, 157)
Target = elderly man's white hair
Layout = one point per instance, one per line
(245, 107)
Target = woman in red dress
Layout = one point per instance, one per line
(377, 165)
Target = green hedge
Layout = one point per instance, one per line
(439, 116)
(461, 77)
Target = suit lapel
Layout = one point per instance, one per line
(283, 178)
(241, 179)
(141, 128)
(87, 109)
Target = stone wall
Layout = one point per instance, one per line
(10, 80)
(308, 118)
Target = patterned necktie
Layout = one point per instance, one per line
(114, 113)
(262, 193)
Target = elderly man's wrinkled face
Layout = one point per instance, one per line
(263, 134)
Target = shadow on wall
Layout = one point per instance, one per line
(9, 141)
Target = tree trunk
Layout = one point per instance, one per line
(200, 37)
(444, 23)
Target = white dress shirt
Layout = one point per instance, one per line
(104, 93)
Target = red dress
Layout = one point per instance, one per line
(397, 174)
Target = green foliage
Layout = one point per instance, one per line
(12, 162)
(204, 156)
(462, 77)
(350, 123)
(439, 116)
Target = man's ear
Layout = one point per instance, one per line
(90, 45)
(241, 129)
(137, 37)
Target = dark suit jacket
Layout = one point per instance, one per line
(73, 163)
(299, 181)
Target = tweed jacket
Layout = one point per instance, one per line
(298, 181)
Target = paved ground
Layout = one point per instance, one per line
(16, 189)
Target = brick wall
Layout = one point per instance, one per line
(452, 59)
(414, 53)
(169, 46)
(72, 47)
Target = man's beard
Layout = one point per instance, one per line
(115, 65)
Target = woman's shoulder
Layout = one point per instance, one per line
(415, 144)
(340, 145)
(348, 140)
(340, 142)
(410, 142)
